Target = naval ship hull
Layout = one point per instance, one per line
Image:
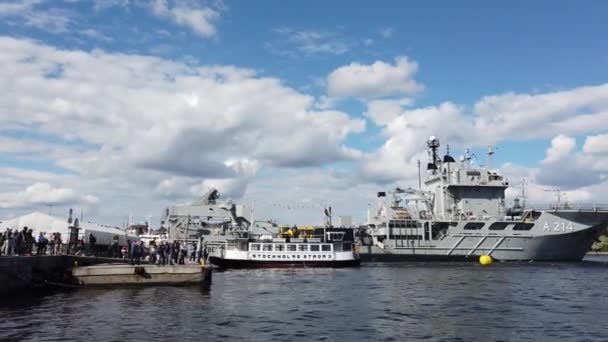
(463, 246)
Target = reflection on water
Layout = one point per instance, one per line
(387, 302)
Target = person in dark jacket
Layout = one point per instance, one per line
(137, 253)
(92, 242)
(161, 254)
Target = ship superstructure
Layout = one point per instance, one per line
(207, 217)
(459, 212)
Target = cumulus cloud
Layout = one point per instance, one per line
(561, 146)
(200, 19)
(43, 194)
(374, 80)
(383, 112)
(596, 144)
(140, 125)
(406, 134)
(492, 119)
(512, 116)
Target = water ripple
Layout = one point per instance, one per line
(381, 302)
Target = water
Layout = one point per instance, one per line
(382, 302)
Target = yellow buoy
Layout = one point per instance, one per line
(485, 260)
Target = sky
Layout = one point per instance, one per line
(118, 108)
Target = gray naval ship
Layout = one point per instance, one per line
(459, 213)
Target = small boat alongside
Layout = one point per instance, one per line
(332, 248)
(119, 274)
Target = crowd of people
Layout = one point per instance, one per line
(167, 253)
(15, 242)
(23, 242)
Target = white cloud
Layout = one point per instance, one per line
(43, 194)
(202, 20)
(596, 144)
(406, 135)
(561, 146)
(383, 112)
(309, 42)
(524, 116)
(48, 19)
(495, 119)
(104, 4)
(378, 79)
(386, 32)
(91, 33)
(141, 120)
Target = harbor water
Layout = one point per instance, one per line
(377, 302)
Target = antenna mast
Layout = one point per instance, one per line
(419, 178)
(491, 152)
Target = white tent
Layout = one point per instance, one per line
(40, 222)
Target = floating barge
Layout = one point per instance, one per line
(117, 274)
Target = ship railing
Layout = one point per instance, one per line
(573, 206)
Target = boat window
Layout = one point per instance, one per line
(267, 248)
(474, 226)
(314, 248)
(498, 225)
(347, 247)
(291, 248)
(326, 248)
(523, 226)
(279, 248)
(303, 248)
(255, 246)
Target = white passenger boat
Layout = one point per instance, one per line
(334, 248)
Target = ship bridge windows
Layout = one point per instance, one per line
(523, 226)
(326, 248)
(255, 247)
(291, 248)
(474, 226)
(267, 248)
(303, 248)
(314, 248)
(498, 226)
(279, 248)
(403, 224)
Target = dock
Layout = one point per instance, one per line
(21, 273)
(116, 274)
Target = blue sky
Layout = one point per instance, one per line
(461, 65)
